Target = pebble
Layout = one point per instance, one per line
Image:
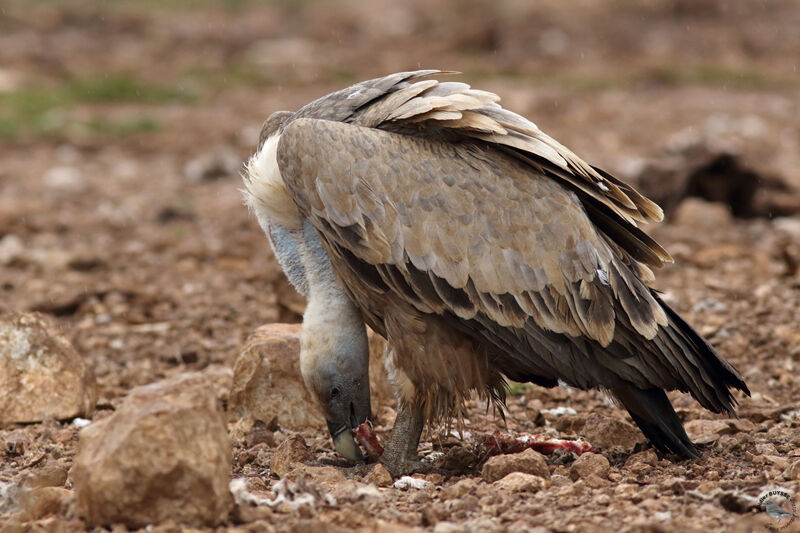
(520, 482)
(408, 482)
(379, 476)
(529, 462)
(606, 432)
(291, 451)
(589, 464)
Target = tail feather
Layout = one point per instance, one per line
(717, 373)
(655, 416)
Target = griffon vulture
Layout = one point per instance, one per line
(481, 248)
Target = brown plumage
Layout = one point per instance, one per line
(484, 249)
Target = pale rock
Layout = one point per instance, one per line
(66, 178)
(706, 431)
(627, 490)
(381, 526)
(35, 504)
(326, 476)
(459, 489)
(291, 451)
(447, 527)
(41, 375)
(520, 482)
(379, 476)
(408, 482)
(789, 226)
(267, 382)
(647, 457)
(51, 475)
(349, 491)
(792, 473)
(164, 454)
(529, 462)
(606, 432)
(11, 248)
(589, 464)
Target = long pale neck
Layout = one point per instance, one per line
(332, 324)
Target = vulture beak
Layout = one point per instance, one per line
(343, 417)
(344, 442)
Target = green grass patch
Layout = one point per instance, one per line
(713, 76)
(43, 110)
(515, 388)
(118, 88)
(123, 128)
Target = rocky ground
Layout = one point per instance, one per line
(122, 130)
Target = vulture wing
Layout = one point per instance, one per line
(437, 195)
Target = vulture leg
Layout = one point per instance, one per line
(400, 453)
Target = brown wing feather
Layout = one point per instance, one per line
(408, 103)
(470, 231)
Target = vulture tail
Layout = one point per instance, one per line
(720, 375)
(653, 413)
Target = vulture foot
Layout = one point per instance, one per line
(400, 453)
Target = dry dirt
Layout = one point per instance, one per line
(122, 127)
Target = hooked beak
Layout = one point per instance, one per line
(343, 440)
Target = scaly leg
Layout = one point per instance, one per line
(400, 453)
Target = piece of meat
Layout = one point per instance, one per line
(499, 443)
(488, 444)
(365, 436)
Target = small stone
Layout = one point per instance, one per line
(459, 489)
(378, 526)
(606, 432)
(15, 443)
(51, 475)
(35, 504)
(792, 473)
(325, 476)
(41, 374)
(352, 491)
(529, 462)
(447, 527)
(267, 382)
(596, 482)
(647, 457)
(705, 431)
(626, 490)
(65, 178)
(11, 248)
(589, 464)
(520, 482)
(292, 450)
(379, 476)
(408, 482)
(164, 454)
(259, 433)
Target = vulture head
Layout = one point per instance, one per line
(335, 369)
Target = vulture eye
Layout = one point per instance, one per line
(334, 392)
